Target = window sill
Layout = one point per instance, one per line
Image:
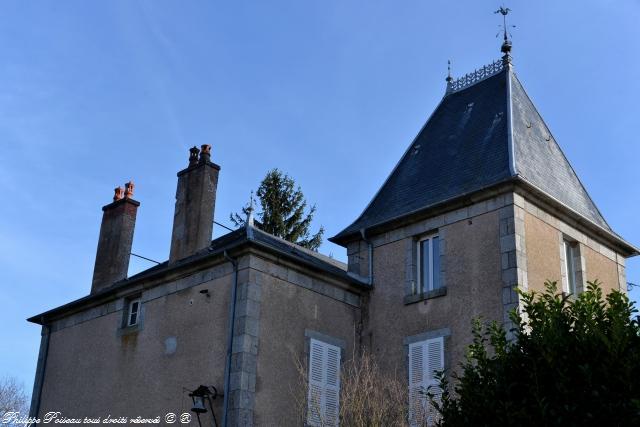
(127, 330)
(411, 299)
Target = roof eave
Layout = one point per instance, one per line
(456, 202)
(209, 255)
(626, 249)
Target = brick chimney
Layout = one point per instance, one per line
(195, 204)
(116, 238)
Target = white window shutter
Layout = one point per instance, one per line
(425, 359)
(324, 384)
(417, 382)
(316, 383)
(332, 390)
(435, 363)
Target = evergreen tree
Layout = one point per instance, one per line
(283, 211)
(574, 361)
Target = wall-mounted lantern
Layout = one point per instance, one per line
(200, 397)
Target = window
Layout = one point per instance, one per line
(324, 384)
(570, 255)
(133, 313)
(428, 264)
(426, 358)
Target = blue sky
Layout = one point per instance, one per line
(96, 93)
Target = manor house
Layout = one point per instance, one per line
(483, 200)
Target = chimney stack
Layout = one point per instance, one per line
(116, 238)
(195, 204)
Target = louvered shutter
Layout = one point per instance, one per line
(324, 384)
(425, 359)
(417, 382)
(435, 363)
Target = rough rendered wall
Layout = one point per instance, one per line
(472, 276)
(543, 253)
(293, 302)
(601, 268)
(544, 238)
(94, 370)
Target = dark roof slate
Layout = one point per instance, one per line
(465, 147)
(540, 160)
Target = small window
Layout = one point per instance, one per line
(426, 359)
(323, 407)
(428, 264)
(133, 314)
(570, 255)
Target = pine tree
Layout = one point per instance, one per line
(283, 211)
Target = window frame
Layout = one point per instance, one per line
(420, 288)
(571, 251)
(131, 302)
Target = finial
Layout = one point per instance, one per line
(449, 79)
(249, 222)
(506, 44)
(128, 190)
(118, 193)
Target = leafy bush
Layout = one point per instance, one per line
(574, 361)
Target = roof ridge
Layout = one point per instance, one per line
(474, 77)
(315, 254)
(564, 156)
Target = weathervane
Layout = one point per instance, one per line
(506, 44)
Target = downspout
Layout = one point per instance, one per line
(39, 379)
(232, 316)
(370, 246)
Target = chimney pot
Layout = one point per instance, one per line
(128, 190)
(205, 153)
(119, 193)
(193, 156)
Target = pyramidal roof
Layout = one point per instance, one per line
(485, 132)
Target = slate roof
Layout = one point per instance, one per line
(486, 134)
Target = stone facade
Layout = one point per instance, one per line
(487, 248)
(181, 342)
